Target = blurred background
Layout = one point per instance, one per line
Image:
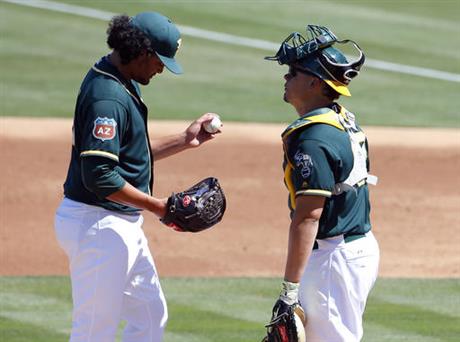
(46, 51)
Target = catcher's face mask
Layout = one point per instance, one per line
(317, 55)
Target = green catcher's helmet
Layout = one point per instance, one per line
(318, 56)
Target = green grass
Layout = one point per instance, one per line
(235, 309)
(45, 54)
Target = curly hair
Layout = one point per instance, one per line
(126, 39)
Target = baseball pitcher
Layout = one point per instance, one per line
(109, 183)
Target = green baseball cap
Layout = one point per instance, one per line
(164, 37)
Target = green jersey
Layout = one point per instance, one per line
(326, 154)
(109, 129)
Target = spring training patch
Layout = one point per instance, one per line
(304, 162)
(104, 128)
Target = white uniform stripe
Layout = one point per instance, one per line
(236, 40)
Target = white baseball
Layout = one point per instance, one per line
(214, 125)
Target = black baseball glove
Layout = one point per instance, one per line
(197, 208)
(287, 323)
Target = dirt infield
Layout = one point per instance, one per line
(414, 207)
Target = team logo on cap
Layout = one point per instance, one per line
(179, 43)
(104, 128)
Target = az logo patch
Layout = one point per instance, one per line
(104, 128)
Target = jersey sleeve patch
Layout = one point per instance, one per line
(104, 128)
(304, 163)
(313, 165)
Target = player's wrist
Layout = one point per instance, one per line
(157, 206)
(289, 292)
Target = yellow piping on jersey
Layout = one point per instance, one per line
(99, 154)
(290, 186)
(313, 192)
(329, 118)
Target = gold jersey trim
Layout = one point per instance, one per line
(99, 154)
(290, 185)
(329, 118)
(314, 192)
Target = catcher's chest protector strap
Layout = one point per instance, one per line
(359, 174)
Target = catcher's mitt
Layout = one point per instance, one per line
(287, 324)
(197, 208)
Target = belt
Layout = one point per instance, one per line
(347, 237)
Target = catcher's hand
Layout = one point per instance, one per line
(197, 208)
(287, 323)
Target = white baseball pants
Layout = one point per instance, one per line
(335, 286)
(113, 275)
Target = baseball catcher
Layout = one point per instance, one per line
(197, 208)
(326, 172)
(288, 318)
